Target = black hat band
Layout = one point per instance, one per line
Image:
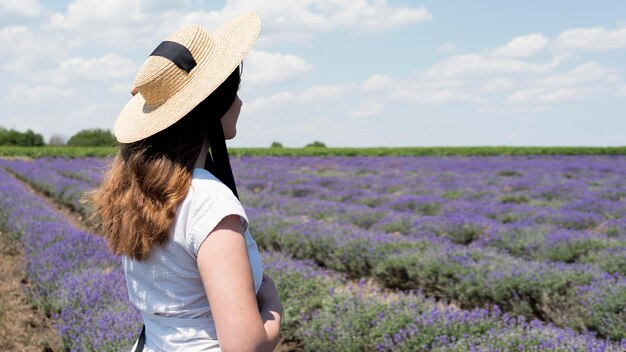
(177, 53)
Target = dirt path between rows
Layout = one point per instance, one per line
(22, 327)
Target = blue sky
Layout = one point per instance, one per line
(345, 72)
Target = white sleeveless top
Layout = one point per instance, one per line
(167, 288)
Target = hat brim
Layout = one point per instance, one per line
(232, 41)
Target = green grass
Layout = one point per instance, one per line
(52, 151)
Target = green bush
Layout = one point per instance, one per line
(316, 144)
(602, 305)
(24, 139)
(475, 278)
(611, 260)
(92, 138)
(301, 288)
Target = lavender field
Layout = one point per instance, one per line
(503, 253)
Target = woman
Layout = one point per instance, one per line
(170, 208)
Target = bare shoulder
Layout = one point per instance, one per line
(225, 240)
(227, 278)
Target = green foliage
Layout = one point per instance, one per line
(372, 202)
(316, 144)
(399, 224)
(521, 242)
(345, 324)
(476, 278)
(364, 220)
(276, 145)
(517, 199)
(15, 138)
(571, 251)
(508, 173)
(300, 291)
(609, 260)
(362, 320)
(454, 194)
(92, 138)
(55, 151)
(602, 307)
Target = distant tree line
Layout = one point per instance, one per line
(84, 138)
(316, 144)
(23, 139)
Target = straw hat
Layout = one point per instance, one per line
(181, 72)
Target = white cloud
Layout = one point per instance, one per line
(316, 16)
(154, 6)
(121, 88)
(95, 13)
(424, 90)
(589, 72)
(271, 102)
(368, 110)
(595, 38)
(447, 48)
(106, 68)
(316, 93)
(576, 84)
(265, 68)
(543, 95)
(535, 83)
(111, 21)
(497, 84)
(508, 110)
(110, 66)
(14, 10)
(311, 94)
(121, 24)
(566, 94)
(524, 46)
(297, 22)
(430, 95)
(28, 95)
(473, 64)
(27, 48)
(378, 82)
(620, 90)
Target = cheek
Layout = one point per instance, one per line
(229, 121)
(231, 132)
(229, 126)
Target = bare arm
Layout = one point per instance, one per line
(225, 271)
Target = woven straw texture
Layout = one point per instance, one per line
(167, 93)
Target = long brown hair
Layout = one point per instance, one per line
(135, 205)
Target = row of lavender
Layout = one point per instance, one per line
(470, 272)
(574, 295)
(539, 236)
(568, 210)
(72, 276)
(578, 216)
(581, 193)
